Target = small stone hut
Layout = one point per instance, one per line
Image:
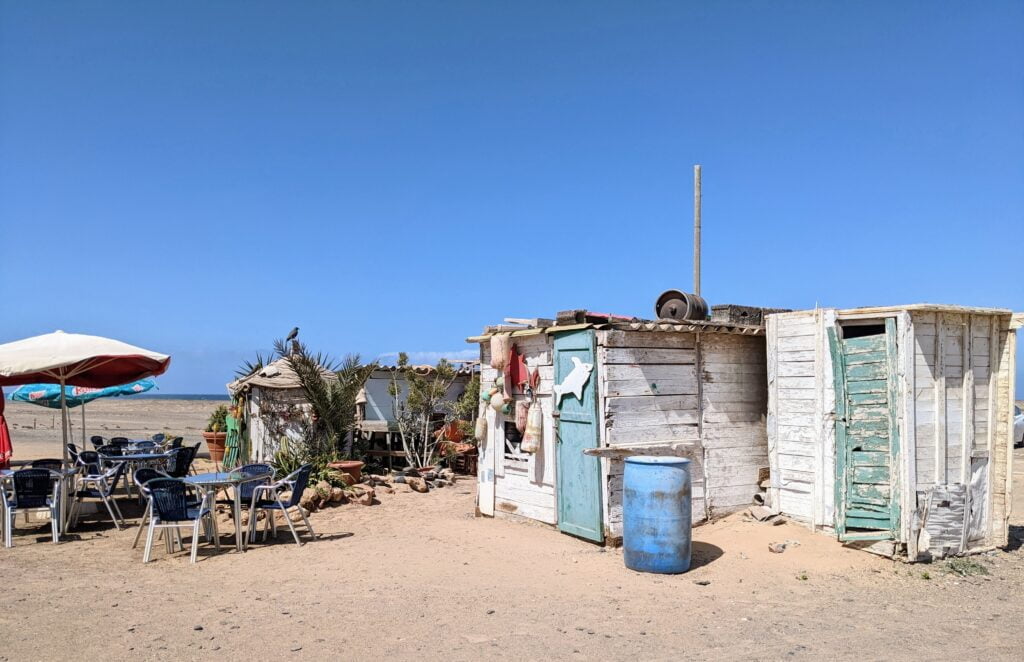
(891, 428)
(696, 389)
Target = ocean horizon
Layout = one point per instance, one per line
(182, 396)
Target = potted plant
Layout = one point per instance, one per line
(216, 432)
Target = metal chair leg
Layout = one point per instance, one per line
(195, 540)
(306, 520)
(288, 520)
(149, 541)
(142, 524)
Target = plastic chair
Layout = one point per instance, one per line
(177, 441)
(159, 437)
(73, 453)
(33, 490)
(100, 486)
(146, 446)
(171, 510)
(181, 461)
(268, 498)
(97, 441)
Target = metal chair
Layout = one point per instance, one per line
(268, 498)
(171, 510)
(246, 489)
(142, 476)
(33, 490)
(159, 437)
(100, 486)
(90, 461)
(180, 461)
(48, 463)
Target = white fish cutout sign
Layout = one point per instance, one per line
(574, 381)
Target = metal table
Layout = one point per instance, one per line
(213, 481)
(133, 460)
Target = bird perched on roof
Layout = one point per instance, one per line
(293, 335)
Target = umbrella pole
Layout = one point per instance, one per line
(83, 425)
(64, 419)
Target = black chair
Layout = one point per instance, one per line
(90, 460)
(177, 441)
(109, 451)
(142, 476)
(73, 453)
(48, 463)
(36, 490)
(159, 437)
(268, 497)
(97, 441)
(181, 461)
(171, 509)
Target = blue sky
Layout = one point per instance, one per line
(198, 177)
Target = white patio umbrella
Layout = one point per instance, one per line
(72, 359)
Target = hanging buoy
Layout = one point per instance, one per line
(534, 434)
(498, 401)
(522, 407)
(480, 431)
(500, 348)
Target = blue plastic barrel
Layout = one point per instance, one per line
(656, 514)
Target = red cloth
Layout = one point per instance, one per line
(517, 375)
(6, 450)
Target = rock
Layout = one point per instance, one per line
(430, 475)
(387, 489)
(778, 521)
(777, 547)
(702, 582)
(323, 487)
(365, 499)
(379, 478)
(761, 514)
(337, 495)
(399, 479)
(440, 483)
(308, 498)
(417, 485)
(197, 628)
(402, 488)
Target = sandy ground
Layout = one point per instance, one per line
(36, 431)
(419, 577)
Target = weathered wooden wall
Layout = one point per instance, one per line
(734, 406)
(801, 442)
(650, 399)
(521, 484)
(265, 429)
(955, 380)
(962, 407)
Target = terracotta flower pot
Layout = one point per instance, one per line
(353, 468)
(215, 443)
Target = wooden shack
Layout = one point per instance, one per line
(275, 407)
(692, 388)
(375, 407)
(891, 428)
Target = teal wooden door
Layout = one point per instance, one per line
(578, 475)
(867, 431)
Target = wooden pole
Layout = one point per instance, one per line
(696, 230)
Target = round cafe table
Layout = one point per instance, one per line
(215, 480)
